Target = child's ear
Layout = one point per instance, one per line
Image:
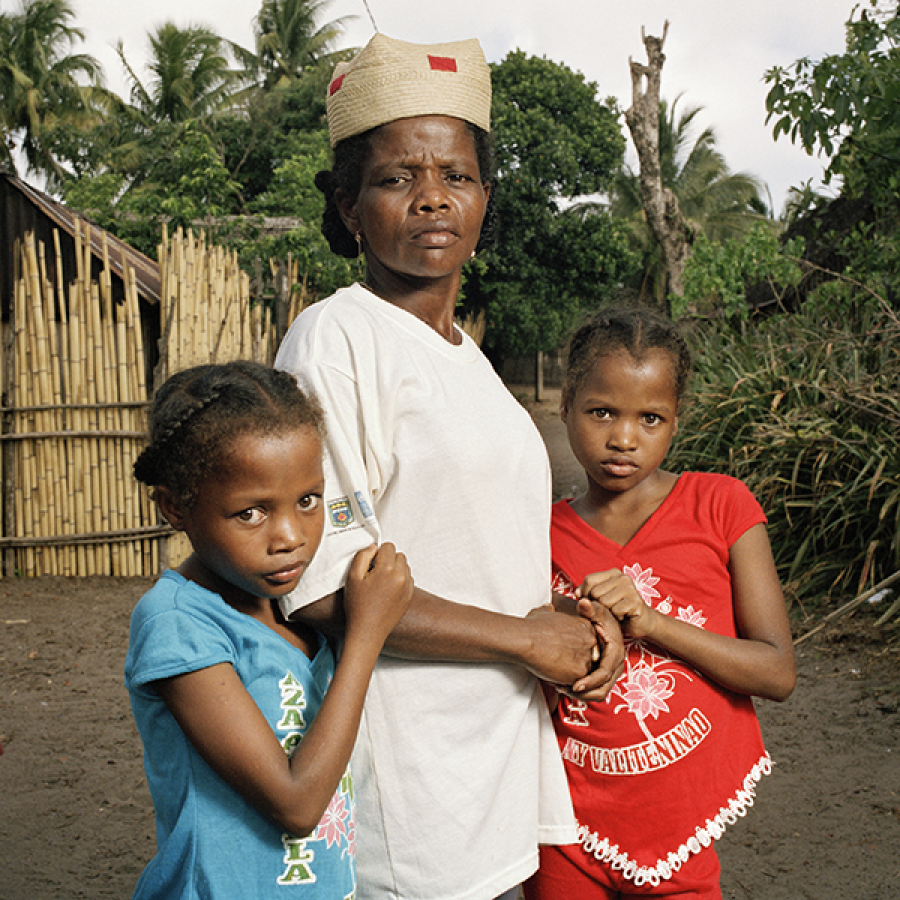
(170, 507)
(563, 411)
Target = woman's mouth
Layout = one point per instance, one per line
(436, 236)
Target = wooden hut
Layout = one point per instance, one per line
(89, 326)
(80, 310)
(26, 210)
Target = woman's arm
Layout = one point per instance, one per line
(760, 661)
(229, 731)
(557, 648)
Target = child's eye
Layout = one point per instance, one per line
(600, 413)
(252, 516)
(309, 502)
(652, 419)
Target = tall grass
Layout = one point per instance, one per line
(805, 409)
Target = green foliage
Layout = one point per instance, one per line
(554, 142)
(95, 198)
(293, 192)
(848, 105)
(552, 135)
(578, 264)
(40, 82)
(199, 186)
(804, 408)
(190, 186)
(195, 146)
(716, 275)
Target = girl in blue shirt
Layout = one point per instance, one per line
(246, 721)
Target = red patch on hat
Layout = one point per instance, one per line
(335, 85)
(442, 63)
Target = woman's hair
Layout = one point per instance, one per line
(635, 329)
(346, 173)
(198, 413)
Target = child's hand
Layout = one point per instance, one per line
(378, 591)
(608, 651)
(615, 591)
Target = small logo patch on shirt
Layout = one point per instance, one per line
(340, 512)
(363, 504)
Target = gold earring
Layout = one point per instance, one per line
(359, 255)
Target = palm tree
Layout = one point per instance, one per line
(288, 41)
(40, 89)
(718, 203)
(191, 75)
(290, 45)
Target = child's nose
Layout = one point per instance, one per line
(623, 435)
(288, 533)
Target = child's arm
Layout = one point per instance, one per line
(225, 725)
(759, 662)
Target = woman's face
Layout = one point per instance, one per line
(421, 201)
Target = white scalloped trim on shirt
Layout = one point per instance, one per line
(712, 830)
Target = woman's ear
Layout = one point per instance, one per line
(170, 507)
(347, 211)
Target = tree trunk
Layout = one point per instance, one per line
(539, 377)
(664, 217)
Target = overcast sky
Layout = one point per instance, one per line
(716, 52)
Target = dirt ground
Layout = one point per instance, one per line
(76, 818)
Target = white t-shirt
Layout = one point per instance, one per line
(456, 765)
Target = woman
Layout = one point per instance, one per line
(457, 773)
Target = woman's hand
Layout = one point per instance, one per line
(561, 649)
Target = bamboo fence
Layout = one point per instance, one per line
(75, 399)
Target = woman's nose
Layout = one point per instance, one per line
(431, 193)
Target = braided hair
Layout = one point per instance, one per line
(198, 413)
(350, 157)
(634, 329)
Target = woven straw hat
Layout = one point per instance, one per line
(390, 79)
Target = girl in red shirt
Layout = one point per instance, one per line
(673, 755)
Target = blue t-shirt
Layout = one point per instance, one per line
(212, 844)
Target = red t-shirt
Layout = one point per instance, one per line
(670, 758)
